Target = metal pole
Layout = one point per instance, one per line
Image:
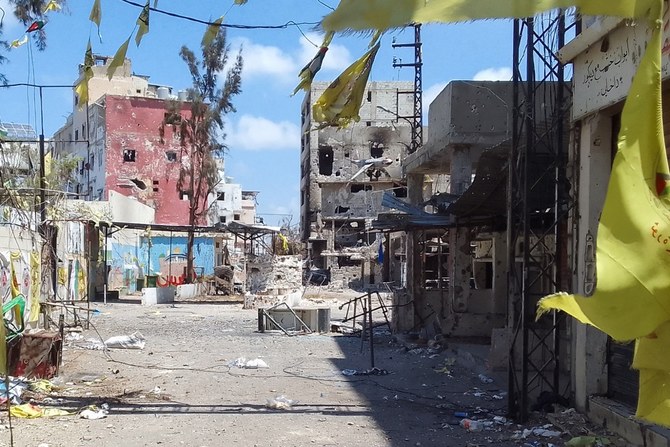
(372, 345)
(106, 281)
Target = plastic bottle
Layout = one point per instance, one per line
(471, 425)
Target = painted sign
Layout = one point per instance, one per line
(604, 72)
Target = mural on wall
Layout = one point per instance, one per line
(19, 271)
(163, 256)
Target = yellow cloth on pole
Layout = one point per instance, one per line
(360, 15)
(632, 296)
(143, 23)
(81, 89)
(118, 60)
(34, 287)
(340, 102)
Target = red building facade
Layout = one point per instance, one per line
(138, 164)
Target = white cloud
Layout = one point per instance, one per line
(262, 60)
(337, 59)
(256, 133)
(494, 74)
(429, 96)
(283, 65)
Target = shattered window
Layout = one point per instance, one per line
(171, 156)
(128, 155)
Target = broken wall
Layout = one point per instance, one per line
(274, 274)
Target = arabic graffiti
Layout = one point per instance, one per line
(660, 238)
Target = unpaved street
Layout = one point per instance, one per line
(180, 389)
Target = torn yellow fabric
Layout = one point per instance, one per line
(53, 5)
(212, 31)
(632, 297)
(143, 24)
(359, 15)
(118, 59)
(82, 88)
(96, 16)
(340, 102)
(34, 287)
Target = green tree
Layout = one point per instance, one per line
(199, 124)
(26, 11)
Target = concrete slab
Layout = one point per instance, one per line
(620, 419)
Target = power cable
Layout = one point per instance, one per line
(222, 25)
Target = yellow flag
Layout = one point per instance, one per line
(34, 287)
(361, 15)
(118, 59)
(631, 301)
(18, 42)
(96, 13)
(53, 5)
(81, 89)
(96, 16)
(212, 31)
(340, 102)
(143, 23)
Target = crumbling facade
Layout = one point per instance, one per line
(344, 173)
(457, 270)
(117, 140)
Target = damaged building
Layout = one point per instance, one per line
(344, 174)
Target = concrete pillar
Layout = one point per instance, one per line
(460, 257)
(589, 344)
(414, 268)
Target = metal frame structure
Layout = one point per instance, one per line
(416, 118)
(538, 204)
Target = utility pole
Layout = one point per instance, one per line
(416, 118)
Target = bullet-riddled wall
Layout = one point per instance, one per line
(338, 198)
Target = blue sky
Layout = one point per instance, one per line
(263, 135)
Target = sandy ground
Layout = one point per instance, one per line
(180, 389)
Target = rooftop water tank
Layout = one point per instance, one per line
(182, 95)
(163, 92)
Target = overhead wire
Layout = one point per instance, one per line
(222, 25)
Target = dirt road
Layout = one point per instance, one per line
(181, 390)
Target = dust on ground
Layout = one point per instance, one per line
(183, 388)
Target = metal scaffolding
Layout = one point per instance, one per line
(538, 204)
(416, 118)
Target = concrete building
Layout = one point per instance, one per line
(117, 140)
(456, 277)
(604, 58)
(341, 190)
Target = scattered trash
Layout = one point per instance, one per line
(461, 414)
(368, 372)
(42, 386)
(26, 411)
(588, 441)
(94, 412)
(16, 389)
(485, 379)
(475, 425)
(500, 419)
(545, 433)
(280, 403)
(134, 341)
(248, 364)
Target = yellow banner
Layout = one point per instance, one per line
(361, 15)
